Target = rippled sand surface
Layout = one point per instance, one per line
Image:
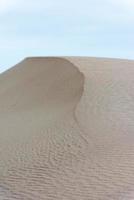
(67, 129)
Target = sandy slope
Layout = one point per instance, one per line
(67, 129)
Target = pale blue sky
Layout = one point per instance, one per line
(103, 28)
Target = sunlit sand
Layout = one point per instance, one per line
(67, 129)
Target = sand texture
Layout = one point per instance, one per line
(67, 129)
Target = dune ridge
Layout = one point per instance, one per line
(66, 129)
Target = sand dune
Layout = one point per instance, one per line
(67, 129)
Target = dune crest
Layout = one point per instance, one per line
(66, 129)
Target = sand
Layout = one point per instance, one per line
(67, 129)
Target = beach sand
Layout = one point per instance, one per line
(67, 129)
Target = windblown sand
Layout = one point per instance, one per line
(67, 129)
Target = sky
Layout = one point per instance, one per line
(96, 28)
